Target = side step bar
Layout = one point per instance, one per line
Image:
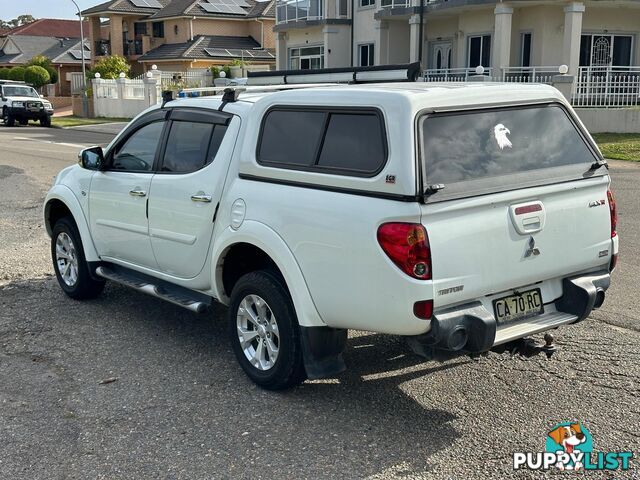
(154, 290)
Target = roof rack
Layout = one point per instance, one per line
(272, 81)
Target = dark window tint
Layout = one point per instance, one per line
(140, 28)
(585, 50)
(291, 137)
(187, 147)
(480, 51)
(526, 49)
(486, 144)
(139, 151)
(216, 140)
(158, 29)
(622, 51)
(353, 142)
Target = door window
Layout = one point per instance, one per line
(187, 147)
(138, 152)
(366, 55)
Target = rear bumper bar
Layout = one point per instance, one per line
(471, 328)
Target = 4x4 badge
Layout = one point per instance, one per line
(532, 250)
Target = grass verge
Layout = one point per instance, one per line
(619, 146)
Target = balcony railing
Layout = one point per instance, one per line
(299, 10)
(451, 74)
(103, 48)
(394, 3)
(529, 74)
(607, 87)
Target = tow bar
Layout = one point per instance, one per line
(527, 347)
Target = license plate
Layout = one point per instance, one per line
(518, 306)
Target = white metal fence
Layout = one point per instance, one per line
(607, 87)
(105, 89)
(452, 74)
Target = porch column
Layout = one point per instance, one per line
(501, 43)
(282, 62)
(116, 35)
(414, 38)
(95, 36)
(381, 50)
(336, 46)
(572, 32)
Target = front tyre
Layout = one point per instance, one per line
(69, 263)
(45, 121)
(264, 331)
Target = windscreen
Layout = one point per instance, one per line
(19, 92)
(482, 151)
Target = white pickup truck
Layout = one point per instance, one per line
(464, 216)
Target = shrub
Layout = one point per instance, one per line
(40, 61)
(110, 67)
(4, 73)
(36, 76)
(53, 73)
(16, 73)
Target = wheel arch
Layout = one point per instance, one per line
(60, 202)
(267, 249)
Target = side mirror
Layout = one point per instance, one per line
(91, 158)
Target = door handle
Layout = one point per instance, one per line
(201, 198)
(137, 193)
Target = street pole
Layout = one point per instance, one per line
(85, 102)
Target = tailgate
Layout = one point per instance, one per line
(481, 246)
(514, 197)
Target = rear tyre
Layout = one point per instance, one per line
(69, 263)
(10, 121)
(264, 331)
(24, 121)
(45, 121)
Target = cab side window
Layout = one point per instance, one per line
(191, 146)
(138, 152)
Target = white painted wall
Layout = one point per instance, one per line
(610, 120)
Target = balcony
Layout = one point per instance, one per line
(102, 48)
(299, 10)
(132, 47)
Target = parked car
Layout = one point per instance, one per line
(463, 217)
(20, 102)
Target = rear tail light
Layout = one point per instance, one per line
(423, 309)
(613, 211)
(407, 245)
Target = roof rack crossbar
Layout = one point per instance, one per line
(252, 88)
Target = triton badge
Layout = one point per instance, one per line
(532, 250)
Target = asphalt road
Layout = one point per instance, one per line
(181, 408)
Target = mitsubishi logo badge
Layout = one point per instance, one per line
(532, 250)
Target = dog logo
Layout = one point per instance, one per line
(500, 133)
(569, 446)
(570, 438)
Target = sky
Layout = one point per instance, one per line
(10, 9)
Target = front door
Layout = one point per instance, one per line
(187, 188)
(440, 55)
(118, 197)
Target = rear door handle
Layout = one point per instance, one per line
(201, 198)
(137, 193)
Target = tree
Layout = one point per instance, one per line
(16, 73)
(110, 67)
(53, 74)
(16, 22)
(36, 76)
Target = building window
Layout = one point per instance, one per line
(158, 29)
(605, 50)
(306, 58)
(139, 28)
(479, 49)
(367, 3)
(525, 50)
(365, 55)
